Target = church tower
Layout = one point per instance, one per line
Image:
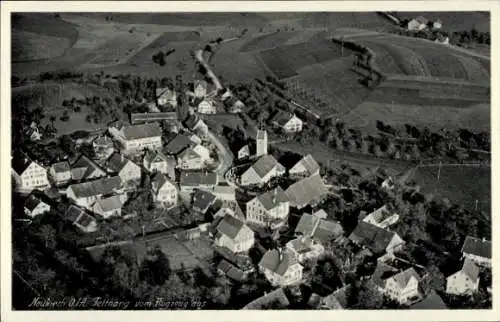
(261, 143)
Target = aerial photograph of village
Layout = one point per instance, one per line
(251, 160)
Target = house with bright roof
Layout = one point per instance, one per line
(190, 180)
(477, 250)
(399, 285)
(33, 206)
(155, 161)
(465, 281)
(28, 175)
(206, 106)
(305, 248)
(281, 267)
(165, 95)
(306, 167)
(60, 173)
(200, 88)
(84, 169)
(382, 217)
(194, 158)
(137, 138)
(309, 191)
(127, 170)
(108, 207)
(262, 171)
(164, 190)
(233, 234)
(85, 194)
(287, 122)
(269, 209)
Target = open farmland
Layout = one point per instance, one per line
(455, 21)
(460, 184)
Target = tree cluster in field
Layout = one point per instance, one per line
(160, 57)
(460, 38)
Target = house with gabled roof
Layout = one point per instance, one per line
(60, 173)
(318, 229)
(432, 302)
(108, 207)
(399, 285)
(193, 158)
(165, 95)
(190, 180)
(200, 88)
(178, 144)
(266, 168)
(228, 207)
(305, 248)
(281, 267)
(85, 194)
(308, 191)
(195, 124)
(477, 250)
(33, 206)
(28, 174)
(233, 234)
(155, 161)
(276, 299)
(202, 200)
(84, 168)
(378, 240)
(338, 300)
(269, 209)
(382, 217)
(306, 167)
(164, 190)
(231, 271)
(127, 170)
(136, 138)
(206, 106)
(465, 281)
(287, 122)
(82, 220)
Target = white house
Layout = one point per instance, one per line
(206, 107)
(124, 168)
(87, 193)
(166, 96)
(477, 250)
(194, 158)
(307, 166)
(401, 286)
(382, 217)
(269, 209)
(262, 171)
(136, 138)
(108, 207)
(232, 233)
(287, 122)
(29, 175)
(34, 206)
(200, 88)
(225, 192)
(155, 161)
(305, 248)
(244, 152)
(164, 191)
(60, 173)
(465, 281)
(281, 267)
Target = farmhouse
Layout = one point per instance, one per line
(190, 180)
(166, 96)
(233, 234)
(206, 106)
(270, 208)
(308, 191)
(28, 174)
(202, 201)
(477, 250)
(60, 173)
(83, 221)
(262, 171)
(155, 161)
(306, 167)
(178, 144)
(401, 286)
(376, 239)
(34, 206)
(108, 207)
(281, 267)
(382, 217)
(136, 138)
(124, 168)
(287, 122)
(86, 193)
(318, 229)
(164, 191)
(83, 169)
(194, 158)
(465, 281)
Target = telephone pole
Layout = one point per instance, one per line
(439, 170)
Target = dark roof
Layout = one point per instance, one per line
(382, 273)
(375, 238)
(191, 121)
(97, 187)
(432, 302)
(231, 271)
(164, 91)
(73, 213)
(83, 167)
(277, 295)
(281, 117)
(178, 144)
(140, 131)
(477, 247)
(110, 203)
(307, 190)
(272, 198)
(265, 164)
(138, 118)
(271, 261)
(196, 178)
(328, 230)
(31, 202)
(203, 199)
(154, 156)
(20, 163)
(158, 180)
(230, 226)
(84, 220)
(309, 163)
(117, 162)
(61, 167)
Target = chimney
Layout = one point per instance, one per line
(280, 253)
(274, 196)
